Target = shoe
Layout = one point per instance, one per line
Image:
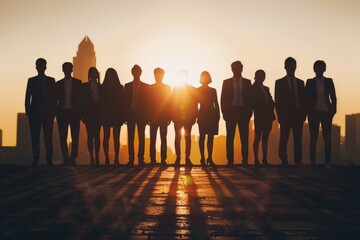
(256, 162)
(265, 162)
(116, 162)
(212, 164)
(34, 163)
(163, 163)
(177, 163)
(188, 162)
(142, 163)
(245, 163)
(50, 164)
(230, 165)
(203, 165)
(107, 162)
(130, 163)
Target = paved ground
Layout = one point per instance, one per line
(156, 203)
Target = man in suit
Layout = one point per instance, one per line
(290, 104)
(40, 109)
(137, 110)
(68, 93)
(321, 97)
(236, 109)
(184, 110)
(159, 114)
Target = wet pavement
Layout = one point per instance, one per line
(165, 203)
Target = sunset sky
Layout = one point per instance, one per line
(194, 35)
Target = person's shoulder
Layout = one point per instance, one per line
(247, 80)
(50, 78)
(281, 80)
(33, 78)
(328, 79)
(228, 80)
(60, 81)
(299, 80)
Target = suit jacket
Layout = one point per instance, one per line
(160, 103)
(142, 114)
(39, 97)
(227, 95)
(330, 94)
(285, 108)
(263, 110)
(76, 95)
(184, 105)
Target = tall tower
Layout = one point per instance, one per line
(352, 138)
(84, 59)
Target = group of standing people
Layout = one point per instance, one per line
(110, 105)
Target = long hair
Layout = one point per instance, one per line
(93, 69)
(111, 78)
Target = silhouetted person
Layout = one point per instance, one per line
(40, 109)
(159, 115)
(208, 117)
(68, 93)
(291, 110)
(236, 110)
(92, 114)
(184, 113)
(113, 115)
(263, 106)
(136, 107)
(321, 97)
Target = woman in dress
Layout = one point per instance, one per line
(263, 106)
(91, 114)
(112, 112)
(208, 117)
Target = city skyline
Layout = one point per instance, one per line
(189, 35)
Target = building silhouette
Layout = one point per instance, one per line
(352, 138)
(21, 154)
(1, 136)
(85, 58)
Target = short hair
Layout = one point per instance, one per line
(290, 60)
(67, 64)
(136, 68)
(40, 61)
(159, 71)
(236, 63)
(205, 78)
(319, 64)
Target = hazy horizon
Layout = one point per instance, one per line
(174, 35)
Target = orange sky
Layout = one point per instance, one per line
(192, 35)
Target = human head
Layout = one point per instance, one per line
(260, 76)
(237, 68)
(67, 69)
(93, 75)
(40, 66)
(136, 71)
(319, 67)
(205, 78)
(111, 78)
(290, 66)
(159, 74)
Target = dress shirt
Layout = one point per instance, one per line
(135, 95)
(295, 93)
(320, 95)
(68, 90)
(238, 92)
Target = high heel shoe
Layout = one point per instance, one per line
(211, 163)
